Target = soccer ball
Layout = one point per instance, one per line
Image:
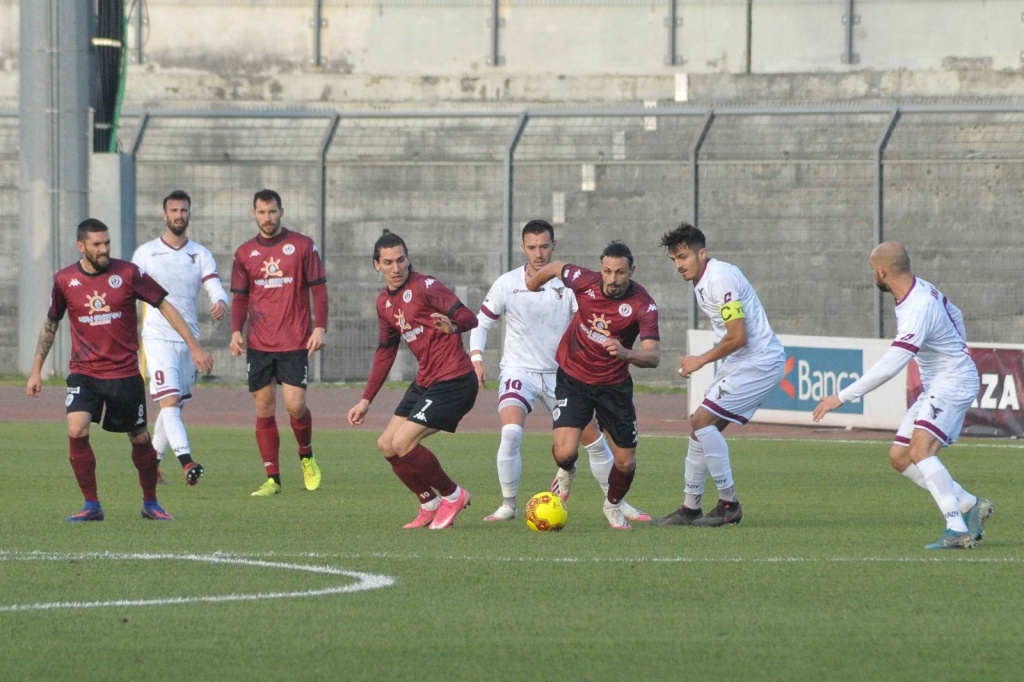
(545, 512)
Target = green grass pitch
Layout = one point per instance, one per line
(826, 578)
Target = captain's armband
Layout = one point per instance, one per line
(733, 310)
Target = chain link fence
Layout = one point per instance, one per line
(796, 197)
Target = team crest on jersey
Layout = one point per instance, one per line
(288, 249)
(115, 282)
(403, 326)
(408, 333)
(600, 328)
(193, 256)
(407, 295)
(97, 302)
(559, 291)
(625, 310)
(273, 276)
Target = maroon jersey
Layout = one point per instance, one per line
(104, 325)
(581, 353)
(405, 314)
(276, 276)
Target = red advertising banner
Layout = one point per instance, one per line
(997, 411)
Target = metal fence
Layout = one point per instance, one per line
(796, 197)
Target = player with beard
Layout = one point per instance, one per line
(273, 276)
(104, 386)
(593, 358)
(182, 266)
(929, 329)
(534, 324)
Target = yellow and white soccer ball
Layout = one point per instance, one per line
(546, 512)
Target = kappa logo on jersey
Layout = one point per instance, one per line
(273, 276)
(387, 304)
(625, 310)
(429, 282)
(254, 254)
(590, 293)
(575, 275)
(288, 249)
(652, 308)
(99, 311)
(115, 281)
(74, 283)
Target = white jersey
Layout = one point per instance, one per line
(719, 288)
(181, 272)
(534, 320)
(931, 328)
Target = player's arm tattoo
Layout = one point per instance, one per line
(46, 336)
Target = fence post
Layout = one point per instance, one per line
(879, 208)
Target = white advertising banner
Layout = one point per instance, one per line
(816, 366)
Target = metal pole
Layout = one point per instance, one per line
(510, 150)
(750, 36)
(317, 25)
(321, 209)
(850, 19)
(698, 142)
(495, 22)
(879, 208)
(670, 23)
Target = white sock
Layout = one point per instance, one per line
(175, 430)
(510, 461)
(716, 456)
(940, 485)
(159, 436)
(454, 496)
(601, 461)
(695, 472)
(432, 505)
(966, 499)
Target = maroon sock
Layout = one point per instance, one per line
(429, 469)
(619, 483)
(144, 458)
(83, 463)
(268, 440)
(303, 430)
(411, 478)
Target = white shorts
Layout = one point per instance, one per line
(739, 388)
(520, 388)
(169, 368)
(939, 412)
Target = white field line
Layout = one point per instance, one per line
(363, 581)
(950, 557)
(1015, 445)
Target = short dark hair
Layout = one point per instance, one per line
(178, 195)
(538, 227)
(266, 196)
(685, 235)
(617, 249)
(90, 225)
(388, 240)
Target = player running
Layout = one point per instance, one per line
(534, 324)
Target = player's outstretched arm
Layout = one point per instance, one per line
(548, 272)
(825, 406)
(46, 336)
